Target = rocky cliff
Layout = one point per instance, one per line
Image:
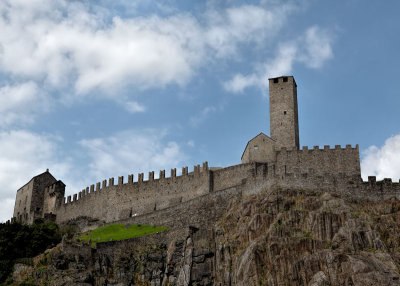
(277, 237)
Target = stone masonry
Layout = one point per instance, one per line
(267, 162)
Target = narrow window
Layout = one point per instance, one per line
(284, 112)
(255, 147)
(285, 79)
(275, 80)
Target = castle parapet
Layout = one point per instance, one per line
(162, 174)
(326, 160)
(372, 180)
(120, 180)
(387, 181)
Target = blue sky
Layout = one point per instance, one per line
(99, 89)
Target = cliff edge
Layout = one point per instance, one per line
(276, 237)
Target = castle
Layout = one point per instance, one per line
(274, 161)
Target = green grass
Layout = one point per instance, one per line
(119, 232)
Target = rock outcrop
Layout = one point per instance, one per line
(279, 237)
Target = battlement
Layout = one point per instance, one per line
(385, 181)
(317, 148)
(282, 79)
(327, 159)
(100, 187)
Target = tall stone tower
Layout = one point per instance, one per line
(284, 120)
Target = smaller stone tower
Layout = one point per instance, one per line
(284, 122)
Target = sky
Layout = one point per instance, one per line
(100, 89)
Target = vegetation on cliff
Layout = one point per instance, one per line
(20, 242)
(119, 232)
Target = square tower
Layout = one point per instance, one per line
(284, 122)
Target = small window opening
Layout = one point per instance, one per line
(284, 112)
(285, 79)
(275, 80)
(256, 147)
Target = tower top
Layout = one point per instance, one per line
(283, 78)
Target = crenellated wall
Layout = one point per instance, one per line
(116, 200)
(119, 200)
(320, 161)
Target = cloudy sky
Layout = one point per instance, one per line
(97, 89)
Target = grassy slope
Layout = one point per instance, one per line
(119, 232)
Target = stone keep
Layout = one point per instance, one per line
(284, 120)
(284, 123)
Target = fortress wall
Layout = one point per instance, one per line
(231, 176)
(351, 186)
(199, 212)
(337, 160)
(125, 199)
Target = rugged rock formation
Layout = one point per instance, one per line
(279, 237)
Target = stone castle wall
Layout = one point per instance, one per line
(321, 161)
(205, 210)
(305, 169)
(126, 199)
(231, 176)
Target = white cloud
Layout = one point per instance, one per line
(313, 49)
(58, 44)
(318, 47)
(19, 102)
(133, 107)
(203, 115)
(382, 162)
(131, 151)
(243, 24)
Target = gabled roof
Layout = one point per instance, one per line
(37, 176)
(262, 134)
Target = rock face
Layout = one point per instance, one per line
(280, 237)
